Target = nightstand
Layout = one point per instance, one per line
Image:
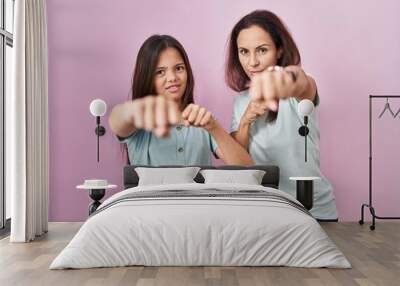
(97, 190)
(305, 190)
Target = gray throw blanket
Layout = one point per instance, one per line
(206, 194)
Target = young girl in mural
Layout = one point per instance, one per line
(263, 65)
(162, 125)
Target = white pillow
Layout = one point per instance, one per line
(248, 177)
(163, 176)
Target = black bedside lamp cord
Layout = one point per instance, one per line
(305, 138)
(98, 135)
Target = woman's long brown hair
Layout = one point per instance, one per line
(235, 76)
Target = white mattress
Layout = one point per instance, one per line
(183, 231)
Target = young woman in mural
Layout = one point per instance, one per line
(162, 125)
(263, 66)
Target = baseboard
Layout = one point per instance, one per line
(328, 220)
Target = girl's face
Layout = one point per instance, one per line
(170, 75)
(257, 50)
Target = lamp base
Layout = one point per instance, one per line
(100, 130)
(303, 130)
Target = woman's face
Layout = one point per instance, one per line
(257, 50)
(170, 75)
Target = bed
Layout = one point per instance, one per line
(201, 224)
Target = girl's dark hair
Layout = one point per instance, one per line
(235, 76)
(146, 64)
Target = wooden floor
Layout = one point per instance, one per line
(374, 255)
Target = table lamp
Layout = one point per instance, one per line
(305, 108)
(98, 108)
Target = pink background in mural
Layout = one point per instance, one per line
(350, 47)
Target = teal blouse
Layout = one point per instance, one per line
(184, 146)
(279, 143)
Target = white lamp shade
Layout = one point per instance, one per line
(98, 107)
(305, 107)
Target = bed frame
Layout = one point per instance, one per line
(270, 179)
